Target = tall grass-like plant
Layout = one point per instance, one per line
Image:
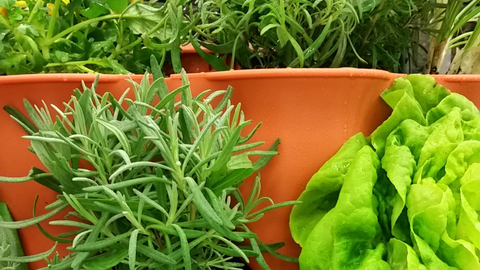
(298, 33)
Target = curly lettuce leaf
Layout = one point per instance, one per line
(468, 110)
(346, 238)
(399, 164)
(458, 253)
(446, 134)
(429, 210)
(322, 190)
(395, 93)
(411, 134)
(459, 161)
(468, 227)
(426, 91)
(406, 108)
(402, 256)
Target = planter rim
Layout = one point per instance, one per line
(322, 72)
(61, 77)
(232, 75)
(298, 73)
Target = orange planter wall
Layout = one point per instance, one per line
(313, 111)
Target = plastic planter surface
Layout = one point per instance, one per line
(313, 111)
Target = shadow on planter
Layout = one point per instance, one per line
(313, 111)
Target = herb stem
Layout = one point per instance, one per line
(53, 19)
(74, 63)
(154, 29)
(128, 47)
(5, 22)
(198, 30)
(34, 10)
(87, 69)
(86, 23)
(121, 36)
(138, 41)
(192, 212)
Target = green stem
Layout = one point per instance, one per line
(46, 52)
(5, 22)
(120, 36)
(121, 29)
(138, 41)
(460, 37)
(154, 29)
(53, 19)
(78, 64)
(196, 29)
(74, 63)
(192, 212)
(121, 50)
(34, 10)
(86, 23)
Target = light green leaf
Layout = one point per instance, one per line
(117, 5)
(147, 17)
(322, 190)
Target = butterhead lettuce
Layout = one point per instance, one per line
(405, 198)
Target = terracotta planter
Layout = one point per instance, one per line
(313, 111)
(194, 63)
(191, 62)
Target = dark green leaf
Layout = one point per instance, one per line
(117, 5)
(95, 10)
(146, 18)
(219, 48)
(106, 260)
(48, 181)
(30, 127)
(215, 62)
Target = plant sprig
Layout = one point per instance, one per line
(154, 186)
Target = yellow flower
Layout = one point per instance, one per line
(52, 5)
(21, 4)
(3, 11)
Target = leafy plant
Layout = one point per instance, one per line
(387, 37)
(297, 33)
(152, 185)
(467, 52)
(103, 36)
(10, 244)
(404, 198)
(447, 19)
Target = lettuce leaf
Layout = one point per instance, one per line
(321, 193)
(347, 236)
(406, 108)
(401, 256)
